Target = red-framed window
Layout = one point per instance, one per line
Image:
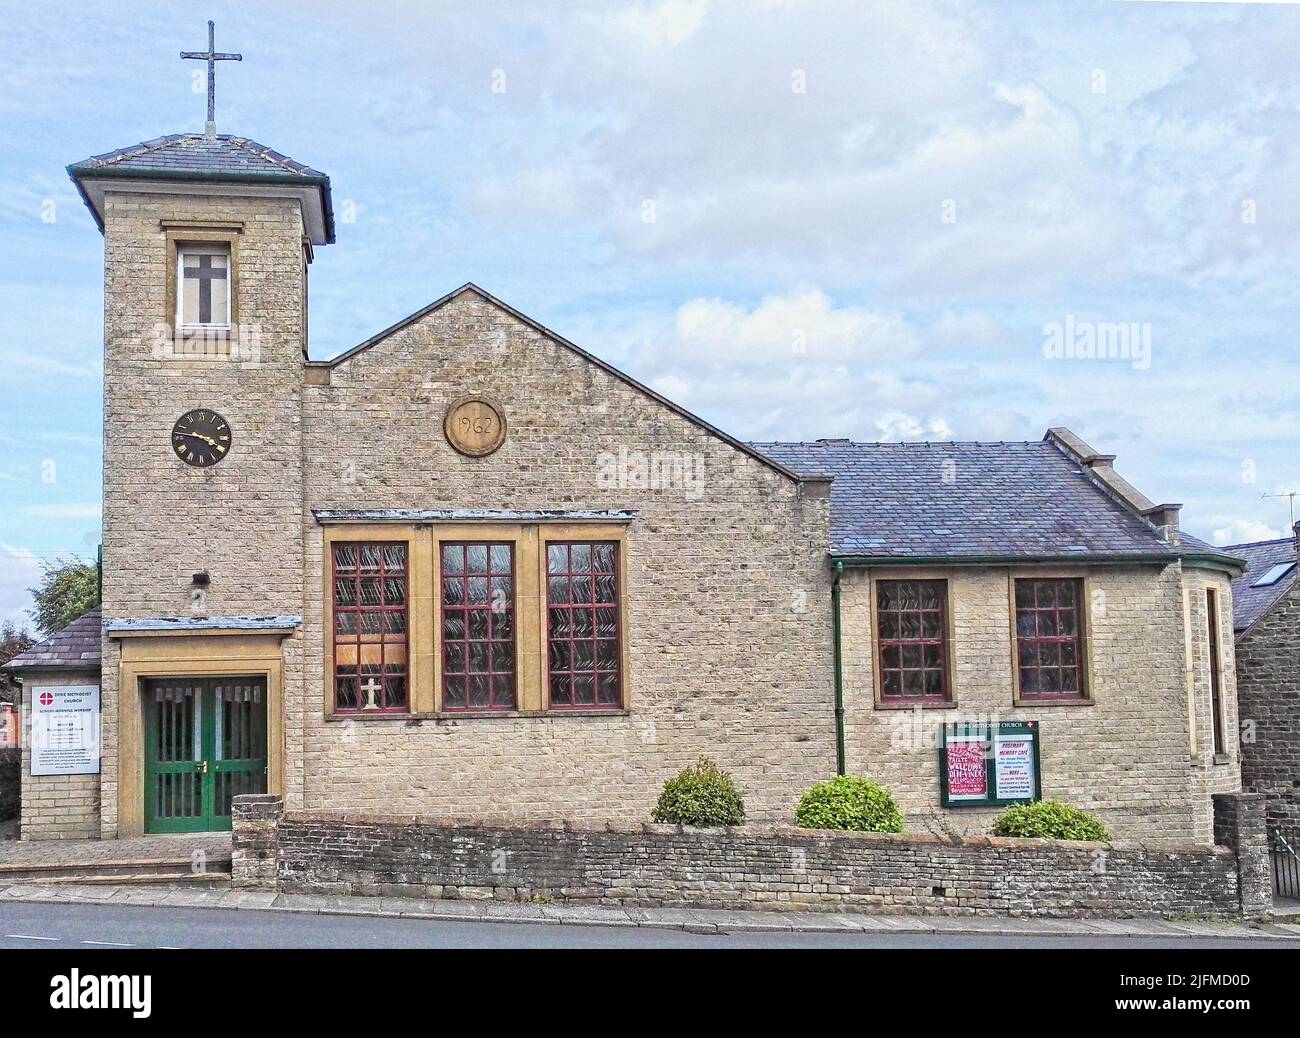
(582, 625)
(370, 629)
(912, 635)
(1049, 638)
(478, 626)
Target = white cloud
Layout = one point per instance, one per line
(1244, 531)
(799, 328)
(898, 426)
(670, 22)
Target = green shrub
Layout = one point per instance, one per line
(848, 802)
(1049, 820)
(700, 795)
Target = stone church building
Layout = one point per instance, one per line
(469, 570)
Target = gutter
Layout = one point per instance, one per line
(1081, 558)
(839, 668)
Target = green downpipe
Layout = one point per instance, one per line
(839, 670)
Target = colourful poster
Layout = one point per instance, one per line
(967, 770)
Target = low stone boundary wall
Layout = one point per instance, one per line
(744, 868)
(11, 781)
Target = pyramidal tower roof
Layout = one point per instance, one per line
(217, 159)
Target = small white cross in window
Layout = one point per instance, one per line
(371, 688)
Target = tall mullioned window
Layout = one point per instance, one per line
(1216, 670)
(912, 635)
(1049, 638)
(478, 626)
(370, 628)
(582, 628)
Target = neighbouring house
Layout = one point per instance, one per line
(469, 570)
(1266, 606)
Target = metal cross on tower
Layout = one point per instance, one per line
(211, 57)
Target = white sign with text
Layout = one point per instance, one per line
(65, 730)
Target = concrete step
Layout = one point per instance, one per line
(144, 870)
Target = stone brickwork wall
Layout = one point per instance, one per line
(1125, 756)
(750, 867)
(728, 622)
(56, 807)
(1268, 682)
(11, 783)
(163, 520)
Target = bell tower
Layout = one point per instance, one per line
(207, 242)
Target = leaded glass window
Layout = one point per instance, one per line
(582, 626)
(1049, 638)
(478, 626)
(912, 633)
(370, 637)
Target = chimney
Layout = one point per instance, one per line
(1295, 533)
(1165, 519)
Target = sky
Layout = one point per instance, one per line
(798, 219)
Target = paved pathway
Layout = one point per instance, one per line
(98, 852)
(690, 920)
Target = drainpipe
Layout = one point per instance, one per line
(839, 669)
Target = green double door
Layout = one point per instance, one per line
(205, 742)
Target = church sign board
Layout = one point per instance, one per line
(65, 730)
(990, 764)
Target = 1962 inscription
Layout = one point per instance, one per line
(475, 426)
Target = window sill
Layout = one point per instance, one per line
(912, 702)
(1053, 701)
(1222, 758)
(475, 715)
(492, 715)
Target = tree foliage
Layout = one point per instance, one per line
(68, 588)
(13, 640)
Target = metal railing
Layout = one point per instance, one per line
(1286, 863)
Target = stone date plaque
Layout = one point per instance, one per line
(475, 426)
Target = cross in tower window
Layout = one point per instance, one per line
(205, 293)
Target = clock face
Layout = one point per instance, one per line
(201, 438)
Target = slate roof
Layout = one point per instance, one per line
(76, 647)
(955, 500)
(196, 153)
(196, 156)
(1249, 604)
